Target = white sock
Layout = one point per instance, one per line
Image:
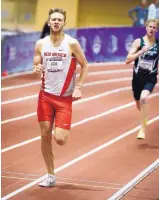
(143, 116)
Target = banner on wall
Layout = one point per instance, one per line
(18, 51)
(108, 44)
(72, 32)
(98, 44)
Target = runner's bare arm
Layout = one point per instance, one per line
(37, 57)
(81, 59)
(133, 53)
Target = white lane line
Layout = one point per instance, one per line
(13, 177)
(89, 181)
(19, 99)
(19, 118)
(67, 179)
(73, 125)
(93, 186)
(78, 123)
(84, 85)
(129, 186)
(70, 163)
(62, 178)
(105, 64)
(89, 74)
(117, 90)
(108, 81)
(21, 86)
(74, 103)
(59, 182)
(113, 71)
(16, 74)
(89, 64)
(19, 173)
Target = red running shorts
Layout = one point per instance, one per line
(55, 109)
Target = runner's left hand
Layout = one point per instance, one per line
(77, 93)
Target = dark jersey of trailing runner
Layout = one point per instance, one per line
(147, 63)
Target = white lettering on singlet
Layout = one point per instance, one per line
(151, 53)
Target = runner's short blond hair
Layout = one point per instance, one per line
(58, 10)
(153, 20)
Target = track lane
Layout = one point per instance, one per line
(64, 184)
(148, 188)
(32, 89)
(16, 134)
(62, 153)
(29, 105)
(94, 163)
(27, 78)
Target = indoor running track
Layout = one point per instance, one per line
(102, 154)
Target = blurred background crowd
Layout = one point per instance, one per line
(30, 15)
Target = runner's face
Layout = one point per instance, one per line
(56, 22)
(151, 29)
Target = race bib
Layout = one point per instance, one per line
(54, 64)
(146, 64)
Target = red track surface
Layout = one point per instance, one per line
(101, 174)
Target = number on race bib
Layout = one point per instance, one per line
(146, 64)
(54, 66)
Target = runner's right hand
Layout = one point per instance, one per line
(38, 68)
(144, 49)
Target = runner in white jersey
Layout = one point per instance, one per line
(55, 58)
(59, 67)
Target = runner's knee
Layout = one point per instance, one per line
(61, 136)
(46, 137)
(143, 100)
(144, 96)
(60, 141)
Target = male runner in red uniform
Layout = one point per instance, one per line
(56, 56)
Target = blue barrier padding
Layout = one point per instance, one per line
(99, 45)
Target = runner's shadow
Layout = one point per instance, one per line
(75, 187)
(148, 146)
(60, 192)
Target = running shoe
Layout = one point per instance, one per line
(141, 134)
(49, 181)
